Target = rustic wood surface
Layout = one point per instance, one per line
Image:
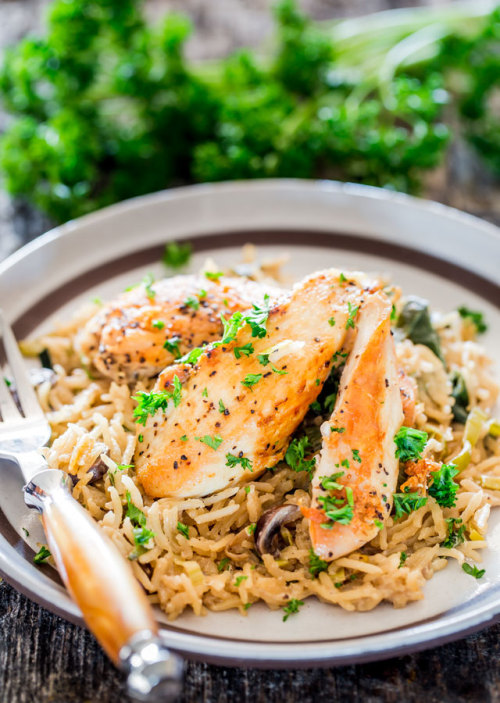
(45, 659)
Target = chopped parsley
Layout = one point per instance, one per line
(192, 302)
(330, 483)
(342, 278)
(353, 311)
(183, 529)
(402, 559)
(356, 456)
(222, 407)
(140, 438)
(264, 361)
(406, 503)
(316, 564)
(257, 318)
(473, 571)
(176, 255)
(247, 489)
(337, 429)
(477, 318)
(212, 442)
(172, 345)
(223, 564)
(317, 381)
(443, 488)
(204, 393)
(456, 533)
(331, 322)
(25, 531)
(158, 324)
(251, 379)
(239, 580)
(141, 537)
(232, 461)
(335, 512)
(136, 516)
(193, 356)
(231, 327)
(345, 463)
(246, 350)
(410, 443)
(295, 455)
(148, 281)
(124, 467)
(251, 528)
(184, 438)
(151, 403)
(379, 524)
(213, 276)
(246, 606)
(292, 607)
(42, 555)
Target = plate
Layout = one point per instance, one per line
(428, 249)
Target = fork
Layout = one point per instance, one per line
(101, 582)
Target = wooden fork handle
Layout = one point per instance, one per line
(102, 584)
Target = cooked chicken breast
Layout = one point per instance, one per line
(234, 411)
(357, 470)
(126, 339)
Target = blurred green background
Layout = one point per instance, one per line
(106, 99)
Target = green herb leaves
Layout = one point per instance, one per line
(42, 555)
(406, 503)
(477, 318)
(142, 536)
(316, 564)
(172, 345)
(151, 403)
(176, 255)
(410, 443)
(292, 607)
(295, 455)
(251, 379)
(183, 529)
(232, 461)
(245, 350)
(473, 571)
(212, 442)
(353, 311)
(443, 488)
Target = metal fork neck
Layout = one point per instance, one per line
(43, 486)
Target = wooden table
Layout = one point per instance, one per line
(45, 659)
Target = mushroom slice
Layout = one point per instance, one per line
(269, 525)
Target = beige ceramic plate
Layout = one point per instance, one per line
(428, 249)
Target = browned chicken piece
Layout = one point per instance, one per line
(147, 328)
(238, 406)
(357, 470)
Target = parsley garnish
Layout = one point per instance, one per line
(213, 276)
(477, 318)
(292, 607)
(356, 456)
(443, 487)
(204, 393)
(246, 606)
(231, 327)
(251, 379)
(158, 324)
(345, 463)
(184, 438)
(473, 571)
(330, 483)
(192, 302)
(148, 281)
(232, 461)
(406, 503)
(295, 454)
(316, 564)
(212, 442)
(222, 407)
(456, 533)
(183, 529)
(337, 429)
(223, 564)
(193, 356)
(402, 559)
(331, 322)
(378, 523)
(172, 345)
(257, 318)
(251, 528)
(334, 513)
(176, 255)
(342, 278)
(264, 361)
(410, 443)
(42, 555)
(353, 311)
(246, 350)
(136, 516)
(239, 580)
(151, 403)
(140, 438)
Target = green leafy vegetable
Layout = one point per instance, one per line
(212, 442)
(477, 318)
(456, 533)
(295, 455)
(443, 488)
(406, 503)
(136, 516)
(316, 564)
(245, 350)
(183, 529)
(42, 555)
(251, 379)
(415, 322)
(177, 255)
(461, 395)
(292, 607)
(232, 461)
(473, 571)
(410, 443)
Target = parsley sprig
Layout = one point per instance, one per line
(443, 488)
(151, 403)
(410, 443)
(232, 460)
(292, 607)
(406, 503)
(295, 455)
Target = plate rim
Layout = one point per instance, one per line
(437, 630)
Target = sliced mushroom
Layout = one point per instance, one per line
(269, 525)
(98, 469)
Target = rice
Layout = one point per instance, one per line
(216, 566)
